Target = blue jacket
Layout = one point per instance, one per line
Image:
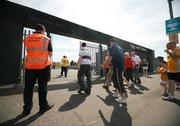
(117, 54)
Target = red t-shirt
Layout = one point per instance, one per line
(129, 63)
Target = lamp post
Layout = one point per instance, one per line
(170, 8)
(172, 36)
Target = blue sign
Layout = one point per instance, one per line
(173, 25)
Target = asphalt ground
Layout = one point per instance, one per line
(145, 106)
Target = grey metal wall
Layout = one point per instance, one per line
(10, 51)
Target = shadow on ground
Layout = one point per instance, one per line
(138, 90)
(16, 121)
(120, 115)
(175, 101)
(74, 101)
(71, 86)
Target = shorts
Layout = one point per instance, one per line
(145, 68)
(163, 82)
(174, 76)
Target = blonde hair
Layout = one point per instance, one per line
(127, 53)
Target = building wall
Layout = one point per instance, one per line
(10, 50)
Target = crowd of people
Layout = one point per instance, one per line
(120, 67)
(169, 71)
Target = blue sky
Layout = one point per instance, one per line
(138, 21)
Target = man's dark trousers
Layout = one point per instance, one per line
(65, 70)
(85, 70)
(118, 80)
(42, 76)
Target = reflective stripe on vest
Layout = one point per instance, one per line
(37, 60)
(39, 49)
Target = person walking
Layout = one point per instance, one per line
(64, 67)
(136, 70)
(145, 67)
(129, 64)
(173, 63)
(109, 71)
(37, 69)
(116, 58)
(84, 67)
(162, 70)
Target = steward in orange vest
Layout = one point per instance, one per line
(37, 69)
(38, 56)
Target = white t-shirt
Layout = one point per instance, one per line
(85, 52)
(136, 59)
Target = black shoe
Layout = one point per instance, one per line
(80, 91)
(139, 81)
(164, 94)
(26, 112)
(46, 108)
(169, 98)
(177, 88)
(88, 92)
(105, 87)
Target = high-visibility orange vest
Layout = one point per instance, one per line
(37, 51)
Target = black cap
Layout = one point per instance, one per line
(83, 44)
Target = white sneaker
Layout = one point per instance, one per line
(116, 95)
(121, 100)
(118, 99)
(124, 100)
